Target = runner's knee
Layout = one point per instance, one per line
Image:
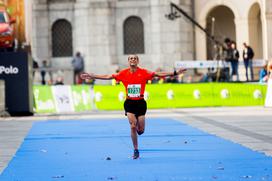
(133, 126)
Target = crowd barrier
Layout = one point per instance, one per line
(77, 98)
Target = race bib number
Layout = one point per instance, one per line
(134, 90)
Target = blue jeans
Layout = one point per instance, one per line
(248, 65)
(234, 69)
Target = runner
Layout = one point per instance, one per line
(134, 79)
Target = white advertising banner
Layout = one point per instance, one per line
(268, 99)
(201, 64)
(63, 98)
(212, 63)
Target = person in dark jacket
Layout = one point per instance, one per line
(78, 65)
(234, 61)
(248, 55)
(43, 69)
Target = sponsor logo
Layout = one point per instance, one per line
(9, 70)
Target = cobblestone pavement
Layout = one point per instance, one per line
(248, 126)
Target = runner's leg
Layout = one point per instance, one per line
(141, 125)
(133, 121)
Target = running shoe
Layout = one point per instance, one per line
(136, 154)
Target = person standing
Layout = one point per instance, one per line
(78, 66)
(234, 61)
(35, 66)
(263, 77)
(225, 71)
(248, 55)
(44, 69)
(269, 69)
(134, 78)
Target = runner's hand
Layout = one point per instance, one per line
(181, 70)
(86, 76)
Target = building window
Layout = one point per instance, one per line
(133, 35)
(62, 41)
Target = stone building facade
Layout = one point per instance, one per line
(243, 21)
(102, 30)
(105, 31)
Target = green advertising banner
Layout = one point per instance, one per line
(43, 99)
(108, 97)
(81, 98)
(186, 95)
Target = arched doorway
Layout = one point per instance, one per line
(255, 30)
(220, 24)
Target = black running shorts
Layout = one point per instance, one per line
(137, 107)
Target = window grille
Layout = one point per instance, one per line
(133, 35)
(62, 42)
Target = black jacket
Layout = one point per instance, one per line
(249, 55)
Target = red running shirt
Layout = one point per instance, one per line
(134, 82)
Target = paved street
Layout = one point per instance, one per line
(249, 126)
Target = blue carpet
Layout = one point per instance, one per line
(77, 151)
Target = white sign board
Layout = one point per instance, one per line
(201, 64)
(63, 98)
(212, 63)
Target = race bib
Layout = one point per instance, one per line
(134, 90)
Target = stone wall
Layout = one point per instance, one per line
(98, 32)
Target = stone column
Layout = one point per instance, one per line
(242, 32)
(242, 35)
(155, 34)
(172, 40)
(255, 38)
(81, 32)
(268, 38)
(40, 31)
(201, 42)
(102, 40)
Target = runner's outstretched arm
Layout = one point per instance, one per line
(163, 74)
(93, 76)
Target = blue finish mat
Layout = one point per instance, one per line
(101, 150)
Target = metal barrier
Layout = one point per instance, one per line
(53, 76)
(211, 71)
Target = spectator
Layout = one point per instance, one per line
(59, 81)
(43, 71)
(225, 72)
(171, 79)
(203, 77)
(78, 66)
(234, 61)
(90, 81)
(248, 55)
(228, 50)
(263, 76)
(269, 69)
(35, 65)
